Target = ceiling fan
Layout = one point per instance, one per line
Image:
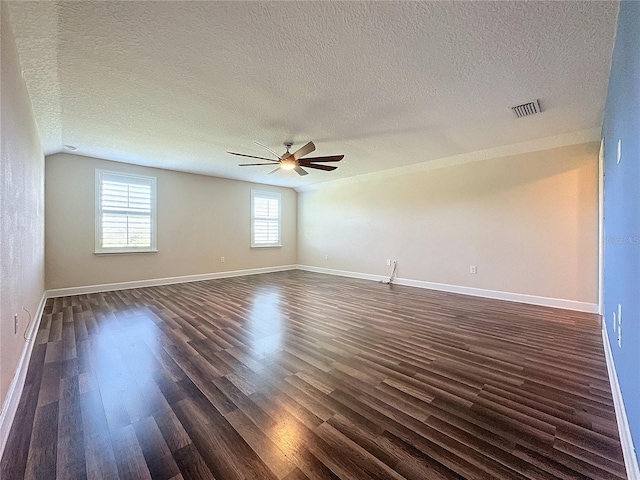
(293, 161)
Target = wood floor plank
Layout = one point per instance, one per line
(70, 462)
(268, 452)
(191, 464)
(157, 454)
(128, 454)
(41, 462)
(297, 375)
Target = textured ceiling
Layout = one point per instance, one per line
(177, 84)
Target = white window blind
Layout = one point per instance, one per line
(265, 219)
(125, 213)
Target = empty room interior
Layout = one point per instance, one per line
(320, 240)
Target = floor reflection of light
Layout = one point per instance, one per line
(122, 354)
(285, 436)
(265, 323)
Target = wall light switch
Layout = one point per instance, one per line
(619, 325)
(473, 269)
(620, 337)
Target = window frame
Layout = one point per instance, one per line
(98, 248)
(272, 195)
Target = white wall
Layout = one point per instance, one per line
(21, 209)
(200, 219)
(529, 223)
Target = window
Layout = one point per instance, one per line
(125, 213)
(265, 219)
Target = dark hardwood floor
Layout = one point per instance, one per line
(297, 375)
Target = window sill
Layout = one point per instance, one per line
(123, 252)
(266, 246)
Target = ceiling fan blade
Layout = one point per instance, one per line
(333, 158)
(253, 156)
(302, 151)
(328, 168)
(273, 171)
(264, 146)
(252, 164)
(300, 171)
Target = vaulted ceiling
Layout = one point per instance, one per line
(177, 84)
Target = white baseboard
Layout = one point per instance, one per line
(108, 287)
(10, 406)
(476, 292)
(499, 295)
(342, 273)
(628, 450)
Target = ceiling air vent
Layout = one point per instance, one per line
(526, 109)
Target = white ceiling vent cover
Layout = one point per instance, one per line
(526, 109)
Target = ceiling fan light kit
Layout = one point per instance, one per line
(293, 161)
(288, 164)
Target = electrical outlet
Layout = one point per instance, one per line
(388, 262)
(473, 269)
(326, 256)
(221, 259)
(15, 323)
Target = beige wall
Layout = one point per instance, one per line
(528, 222)
(21, 209)
(200, 219)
